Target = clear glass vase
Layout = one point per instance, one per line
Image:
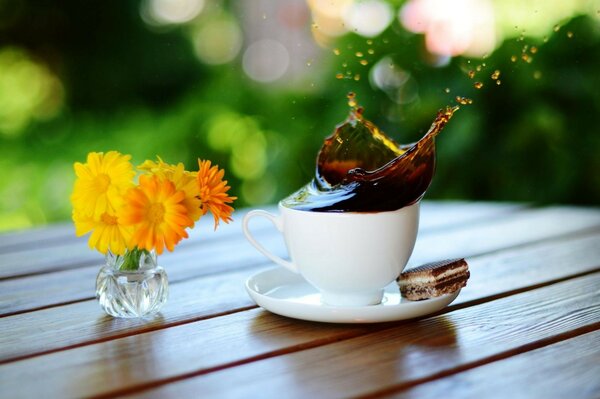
(132, 285)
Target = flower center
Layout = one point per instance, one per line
(103, 181)
(156, 213)
(108, 219)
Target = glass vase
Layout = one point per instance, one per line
(132, 285)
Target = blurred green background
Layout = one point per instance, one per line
(256, 86)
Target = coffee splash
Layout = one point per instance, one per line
(360, 169)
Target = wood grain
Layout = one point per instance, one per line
(402, 356)
(574, 367)
(514, 229)
(83, 323)
(264, 353)
(72, 285)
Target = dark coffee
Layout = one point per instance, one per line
(359, 169)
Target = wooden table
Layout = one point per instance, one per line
(526, 325)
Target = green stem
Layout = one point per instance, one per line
(131, 259)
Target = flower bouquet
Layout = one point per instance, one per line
(131, 223)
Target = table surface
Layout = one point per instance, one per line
(526, 325)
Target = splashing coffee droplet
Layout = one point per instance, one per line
(463, 100)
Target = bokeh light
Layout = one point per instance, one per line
(452, 28)
(168, 12)
(397, 83)
(266, 60)
(217, 40)
(28, 91)
(368, 18)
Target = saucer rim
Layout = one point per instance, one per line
(379, 313)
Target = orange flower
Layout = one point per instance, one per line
(213, 192)
(183, 180)
(156, 210)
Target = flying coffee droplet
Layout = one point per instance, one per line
(533, 49)
(545, 39)
(498, 82)
(344, 65)
(336, 51)
(359, 54)
(371, 51)
(556, 28)
(339, 75)
(351, 99)
(364, 62)
(357, 77)
(483, 65)
(478, 68)
(308, 63)
(447, 90)
(525, 57)
(471, 74)
(570, 35)
(369, 42)
(537, 75)
(478, 85)
(496, 74)
(463, 100)
(513, 58)
(348, 73)
(524, 49)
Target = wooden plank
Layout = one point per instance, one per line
(438, 215)
(81, 323)
(515, 229)
(568, 369)
(462, 211)
(34, 236)
(66, 286)
(264, 353)
(64, 233)
(412, 352)
(32, 257)
(74, 254)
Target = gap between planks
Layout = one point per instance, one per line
(501, 268)
(464, 242)
(569, 320)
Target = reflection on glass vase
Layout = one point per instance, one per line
(132, 285)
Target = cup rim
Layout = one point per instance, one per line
(282, 207)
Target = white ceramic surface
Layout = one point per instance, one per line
(350, 257)
(288, 294)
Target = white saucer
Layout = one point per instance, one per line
(288, 294)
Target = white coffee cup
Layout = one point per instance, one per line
(349, 256)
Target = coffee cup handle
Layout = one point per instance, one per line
(278, 223)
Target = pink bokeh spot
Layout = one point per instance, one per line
(451, 27)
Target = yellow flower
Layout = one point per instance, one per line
(213, 192)
(156, 211)
(101, 182)
(184, 181)
(108, 232)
